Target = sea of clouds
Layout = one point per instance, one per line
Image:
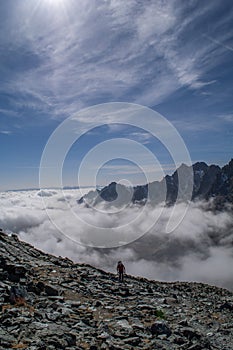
(199, 249)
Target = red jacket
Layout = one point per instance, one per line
(120, 268)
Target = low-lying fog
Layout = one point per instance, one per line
(199, 249)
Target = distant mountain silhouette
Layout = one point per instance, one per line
(209, 181)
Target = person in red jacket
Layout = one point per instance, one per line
(121, 271)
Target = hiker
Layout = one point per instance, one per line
(121, 271)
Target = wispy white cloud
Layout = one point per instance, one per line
(5, 132)
(192, 125)
(112, 128)
(105, 52)
(218, 42)
(128, 169)
(8, 112)
(228, 118)
(142, 137)
(215, 123)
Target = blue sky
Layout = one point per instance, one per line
(60, 56)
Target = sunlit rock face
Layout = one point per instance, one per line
(54, 303)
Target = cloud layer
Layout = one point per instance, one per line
(200, 249)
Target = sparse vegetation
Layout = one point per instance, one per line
(160, 314)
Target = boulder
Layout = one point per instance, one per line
(159, 328)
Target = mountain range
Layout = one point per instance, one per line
(207, 181)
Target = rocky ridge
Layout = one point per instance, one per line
(209, 181)
(49, 302)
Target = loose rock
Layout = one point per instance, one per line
(75, 306)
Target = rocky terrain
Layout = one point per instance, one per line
(208, 182)
(49, 302)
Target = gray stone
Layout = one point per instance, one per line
(133, 341)
(97, 312)
(159, 328)
(50, 290)
(190, 333)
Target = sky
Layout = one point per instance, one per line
(60, 57)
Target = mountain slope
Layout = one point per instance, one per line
(51, 303)
(208, 182)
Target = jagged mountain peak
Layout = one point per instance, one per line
(200, 166)
(228, 168)
(209, 181)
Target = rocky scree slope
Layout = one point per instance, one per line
(50, 302)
